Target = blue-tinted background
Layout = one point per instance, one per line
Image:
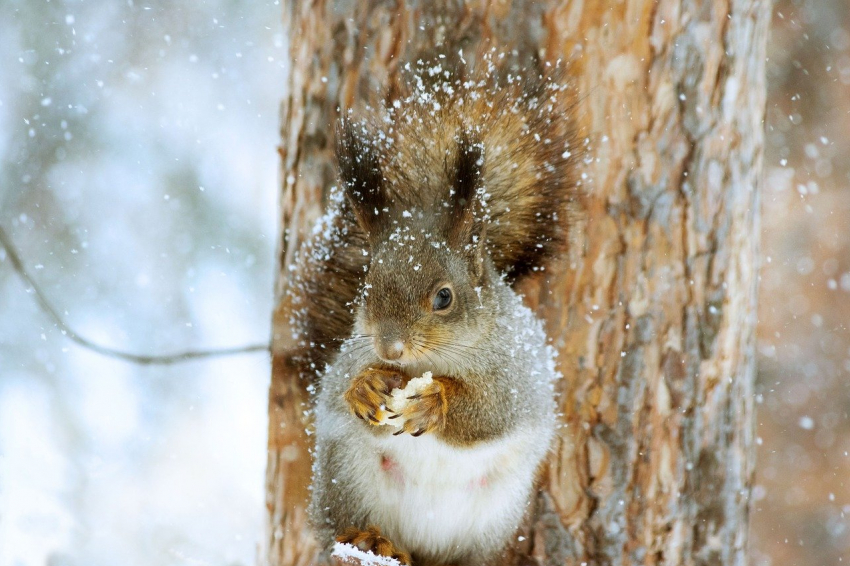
(138, 174)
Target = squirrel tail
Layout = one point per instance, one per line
(531, 176)
(523, 128)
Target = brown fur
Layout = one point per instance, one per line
(328, 275)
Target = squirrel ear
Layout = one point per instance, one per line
(360, 173)
(465, 226)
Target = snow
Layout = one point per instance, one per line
(806, 423)
(105, 108)
(350, 554)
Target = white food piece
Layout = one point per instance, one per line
(399, 399)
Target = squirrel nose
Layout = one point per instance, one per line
(390, 349)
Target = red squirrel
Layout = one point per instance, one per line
(436, 413)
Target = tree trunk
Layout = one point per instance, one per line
(653, 313)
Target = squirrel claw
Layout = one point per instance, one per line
(426, 411)
(369, 393)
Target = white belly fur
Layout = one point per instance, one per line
(443, 501)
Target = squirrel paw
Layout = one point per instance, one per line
(370, 391)
(372, 541)
(425, 411)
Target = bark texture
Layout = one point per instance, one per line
(653, 313)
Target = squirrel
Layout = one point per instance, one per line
(450, 193)
(526, 122)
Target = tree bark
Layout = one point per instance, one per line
(653, 313)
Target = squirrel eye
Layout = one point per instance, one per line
(442, 299)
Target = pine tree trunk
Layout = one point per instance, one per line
(654, 312)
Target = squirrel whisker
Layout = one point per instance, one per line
(451, 357)
(420, 349)
(356, 346)
(359, 351)
(445, 343)
(455, 350)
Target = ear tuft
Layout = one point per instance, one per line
(360, 173)
(464, 201)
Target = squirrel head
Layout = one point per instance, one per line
(428, 290)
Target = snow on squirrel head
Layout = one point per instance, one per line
(429, 273)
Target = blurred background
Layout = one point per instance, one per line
(138, 177)
(138, 174)
(801, 513)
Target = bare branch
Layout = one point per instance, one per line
(142, 359)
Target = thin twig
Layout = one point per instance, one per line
(143, 359)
